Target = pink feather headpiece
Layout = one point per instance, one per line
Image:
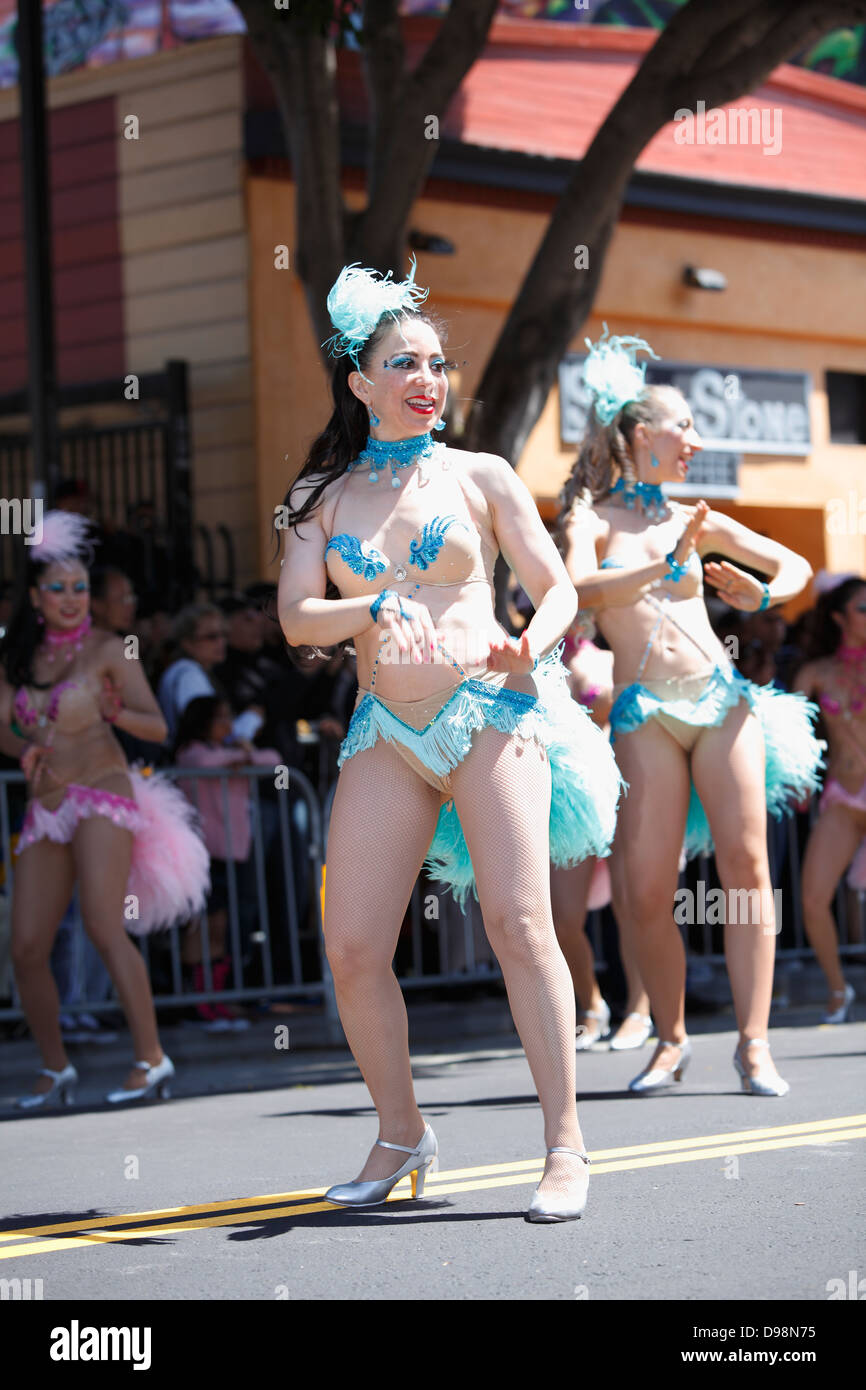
(64, 538)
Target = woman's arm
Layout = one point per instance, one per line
(789, 572)
(126, 689)
(619, 587)
(529, 551)
(808, 679)
(307, 618)
(10, 743)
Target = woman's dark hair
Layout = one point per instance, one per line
(341, 441)
(827, 632)
(24, 633)
(195, 723)
(605, 452)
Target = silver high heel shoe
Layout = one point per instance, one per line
(62, 1083)
(841, 1014)
(758, 1085)
(586, 1037)
(554, 1207)
(637, 1039)
(423, 1159)
(157, 1080)
(655, 1077)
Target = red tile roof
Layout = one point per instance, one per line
(544, 89)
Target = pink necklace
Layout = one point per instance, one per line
(72, 640)
(853, 685)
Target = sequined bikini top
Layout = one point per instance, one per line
(77, 713)
(445, 551)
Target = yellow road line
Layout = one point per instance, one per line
(443, 1183)
(490, 1169)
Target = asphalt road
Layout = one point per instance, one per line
(696, 1194)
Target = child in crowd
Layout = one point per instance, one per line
(203, 728)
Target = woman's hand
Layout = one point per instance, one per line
(738, 589)
(110, 702)
(511, 655)
(685, 546)
(34, 762)
(411, 626)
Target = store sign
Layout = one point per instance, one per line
(736, 409)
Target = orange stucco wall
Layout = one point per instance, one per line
(788, 306)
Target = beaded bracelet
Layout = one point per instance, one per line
(380, 599)
(676, 570)
(765, 601)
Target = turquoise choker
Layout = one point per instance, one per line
(648, 496)
(379, 454)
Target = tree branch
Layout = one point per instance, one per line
(406, 155)
(556, 297)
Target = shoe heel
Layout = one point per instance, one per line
(419, 1177)
(67, 1095)
(163, 1090)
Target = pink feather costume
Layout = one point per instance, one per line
(169, 873)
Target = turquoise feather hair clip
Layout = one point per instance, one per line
(357, 301)
(611, 373)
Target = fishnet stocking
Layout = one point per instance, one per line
(382, 823)
(502, 795)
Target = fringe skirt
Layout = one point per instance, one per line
(793, 756)
(585, 781)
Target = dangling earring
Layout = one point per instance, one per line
(655, 462)
(440, 425)
(374, 419)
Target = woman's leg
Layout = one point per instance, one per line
(102, 854)
(382, 822)
(832, 844)
(502, 796)
(637, 999)
(43, 884)
(728, 772)
(569, 893)
(646, 871)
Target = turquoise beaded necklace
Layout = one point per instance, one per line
(648, 496)
(379, 454)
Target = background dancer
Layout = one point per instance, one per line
(587, 887)
(704, 751)
(89, 819)
(837, 680)
(499, 769)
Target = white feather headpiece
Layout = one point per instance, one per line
(65, 537)
(612, 374)
(357, 301)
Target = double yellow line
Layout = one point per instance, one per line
(72, 1235)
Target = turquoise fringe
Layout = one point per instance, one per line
(585, 781)
(793, 756)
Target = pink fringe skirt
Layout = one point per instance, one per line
(169, 874)
(834, 794)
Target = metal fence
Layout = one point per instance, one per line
(274, 931)
(126, 465)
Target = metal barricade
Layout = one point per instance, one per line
(276, 950)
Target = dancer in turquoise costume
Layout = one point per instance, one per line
(461, 736)
(704, 752)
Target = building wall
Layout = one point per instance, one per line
(178, 224)
(791, 305)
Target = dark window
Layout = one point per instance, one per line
(846, 394)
